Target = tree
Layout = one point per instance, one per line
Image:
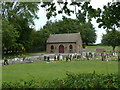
(9, 35)
(88, 33)
(20, 15)
(112, 38)
(39, 40)
(110, 16)
(73, 26)
(12, 11)
(84, 11)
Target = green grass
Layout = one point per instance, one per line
(49, 71)
(93, 48)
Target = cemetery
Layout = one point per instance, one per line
(48, 67)
(60, 44)
(52, 66)
(61, 57)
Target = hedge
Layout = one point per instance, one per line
(91, 80)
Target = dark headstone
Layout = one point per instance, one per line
(6, 62)
(67, 57)
(103, 56)
(54, 58)
(90, 55)
(58, 57)
(70, 57)
(45, 58)
(48, 59)
(23, 58)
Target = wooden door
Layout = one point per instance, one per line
(61, 49)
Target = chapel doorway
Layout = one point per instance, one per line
(61, 49)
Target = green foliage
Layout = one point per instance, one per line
(12, 11)
(9, 33)
(19, 18)
(86, 81)
(84, 12)
(110, 16)
(71, 81)
(86, 30)
(112, 38)
(107, 18)
(72, 26)
(39, 40)
(84, 45)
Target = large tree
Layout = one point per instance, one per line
(110, 16)
(72, 26)
(66, 25)
(112, 38)
(10, 35)
(83, 10)
(20, 16)
(39, 39)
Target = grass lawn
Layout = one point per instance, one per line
(93, 48)
(48, 71)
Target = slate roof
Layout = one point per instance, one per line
(57, 38)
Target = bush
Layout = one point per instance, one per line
(71, 81)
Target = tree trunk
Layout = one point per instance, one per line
(113, 48)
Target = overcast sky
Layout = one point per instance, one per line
(39, 23)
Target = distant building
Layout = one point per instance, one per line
(64, 43)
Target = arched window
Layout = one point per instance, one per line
(70, 47)
(52, 47)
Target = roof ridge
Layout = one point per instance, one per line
(66, 37)
(65, 33)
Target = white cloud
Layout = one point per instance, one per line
(39, 23)
(99, 3)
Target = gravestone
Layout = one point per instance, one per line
(61, 57)
(87, 56)
(48, 59)
(24, 58)
(90, 55)
(103, 55)
(45, 58)
(6, 62)
(78, 57)
(67, 57)
(55, 58)
(70, 57)
(58, 57)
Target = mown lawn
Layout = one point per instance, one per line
(48, 71)
(93, 48)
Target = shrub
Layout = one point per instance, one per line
(71, 81)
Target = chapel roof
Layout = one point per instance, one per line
(69, 37)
